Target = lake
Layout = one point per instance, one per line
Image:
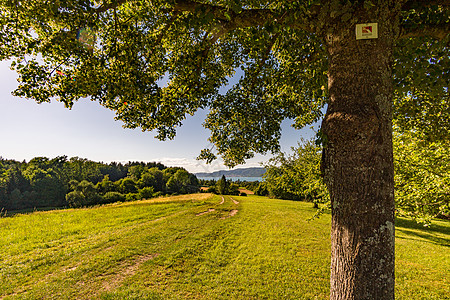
(232, 178)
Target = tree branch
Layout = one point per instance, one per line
(263, 60)
(246, 18)
(414, 4)
(437, 31)
(105, 7)
(431, 204)
(231, 19)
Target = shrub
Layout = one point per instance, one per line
(190, 189)
(261, 190)
(75, 199)
(131, 197)
(146, 192)
(233, 189)
(111, 197)
(87, 191)
(158, 194)
(127, 186)
(211, 189)
(106, 185)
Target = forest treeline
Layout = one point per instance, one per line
(76, 182)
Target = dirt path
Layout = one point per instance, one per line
(232, 213)
(126, 271)
(205, 212)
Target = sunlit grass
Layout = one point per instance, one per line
(422, 260)
(165, 249)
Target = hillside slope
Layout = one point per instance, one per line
(196, 247)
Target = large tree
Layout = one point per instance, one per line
(289, 58)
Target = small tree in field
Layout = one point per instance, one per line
(222, 186)
(297, 176)
(360, 57)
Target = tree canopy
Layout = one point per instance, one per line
(155, 62)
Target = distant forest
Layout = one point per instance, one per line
(77, 182)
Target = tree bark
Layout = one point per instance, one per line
(358, 158)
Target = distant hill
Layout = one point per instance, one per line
(244, 172)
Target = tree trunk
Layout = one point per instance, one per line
(358, 158)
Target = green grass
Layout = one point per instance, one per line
(164, 250)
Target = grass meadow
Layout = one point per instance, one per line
(197, 247)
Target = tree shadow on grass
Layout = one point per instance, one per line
(8, 214)
(432, 234)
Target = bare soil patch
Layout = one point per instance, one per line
(205, 212)
(127, 271)
(232, 213)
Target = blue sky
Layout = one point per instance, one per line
(28, 129)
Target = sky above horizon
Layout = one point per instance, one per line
(88, 130)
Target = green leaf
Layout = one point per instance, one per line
(368, 4)
(227, 15)
(346, 17)
(236, 6)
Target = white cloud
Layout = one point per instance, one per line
(197, 166)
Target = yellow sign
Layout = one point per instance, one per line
(367, 31)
